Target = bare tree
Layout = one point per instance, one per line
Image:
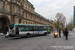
(61, 18)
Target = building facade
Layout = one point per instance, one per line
(74, 19)
(19, 12)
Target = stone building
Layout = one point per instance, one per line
(19, 11)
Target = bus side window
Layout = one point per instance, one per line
(21, 29)
(40, 28)
(35, 28)
(29, 28)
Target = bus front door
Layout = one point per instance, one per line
(17, 31)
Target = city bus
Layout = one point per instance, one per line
(20, 30)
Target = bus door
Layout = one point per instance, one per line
(17, 30)
(36, 30)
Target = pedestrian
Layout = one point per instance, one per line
(66, 33)
(59, 32)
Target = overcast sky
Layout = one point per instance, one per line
(49, 8)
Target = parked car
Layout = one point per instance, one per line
(1, 34)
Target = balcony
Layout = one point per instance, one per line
(16, 14)
(5, 11)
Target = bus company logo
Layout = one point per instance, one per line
(35, 32)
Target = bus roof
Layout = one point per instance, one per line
(31, 25)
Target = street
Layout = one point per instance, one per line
(38, 43)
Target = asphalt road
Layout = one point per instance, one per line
(38, 43)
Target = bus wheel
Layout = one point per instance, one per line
(28, 35)
(45, 33)
(6, 36)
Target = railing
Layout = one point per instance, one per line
(5, 11)
(16, 14)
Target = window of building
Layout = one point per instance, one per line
(26, 22)
(22, 4)
(23, 22)
(40, 19)
(2, 5)
(15, 1)
(25, 0)
(20, 21)
(31, 16)
(18, 0)
(26, 5)
(26, 14)
(18, 10)
(29, 22)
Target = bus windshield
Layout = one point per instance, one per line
(11, 26)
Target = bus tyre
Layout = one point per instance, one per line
(28, 35)
(6, 36)
(45, 33)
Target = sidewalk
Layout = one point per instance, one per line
(72, 33)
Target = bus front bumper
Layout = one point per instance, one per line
(48, 32)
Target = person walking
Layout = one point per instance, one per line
(66, 33)
(59, 32)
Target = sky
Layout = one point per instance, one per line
(49, 8)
